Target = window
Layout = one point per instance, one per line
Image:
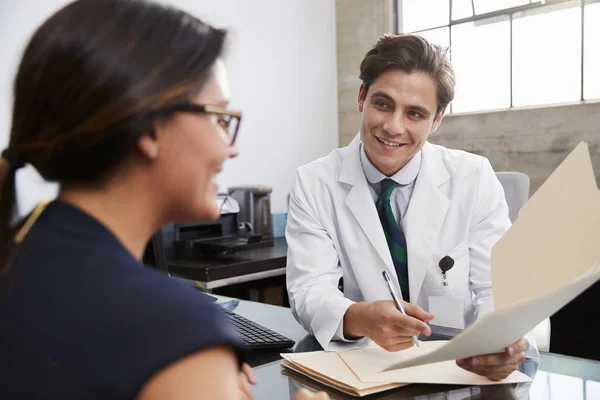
(418, 15)
(591, 52)
(547, 57)
(486, 6)
(482, 82)
(439, 36)
(513, 53)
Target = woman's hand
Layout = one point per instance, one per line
(304, 394)
(246, 379)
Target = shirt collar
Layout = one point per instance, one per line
(405, 176)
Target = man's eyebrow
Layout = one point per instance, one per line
(385, 96)
(420, 109)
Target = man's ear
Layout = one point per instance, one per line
(438, 120)
(148, 146)
(361, 98)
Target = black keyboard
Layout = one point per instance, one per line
(257, 336)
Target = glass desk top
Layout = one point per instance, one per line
(556, 377)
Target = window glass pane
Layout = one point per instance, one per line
(592, 389)
(439, 36)
(591, 52)
(545, 72)
(481, 60)
(485, 6)
(416, 15)
(462, 9)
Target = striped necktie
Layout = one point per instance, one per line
(393, 234)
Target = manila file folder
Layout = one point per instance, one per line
(357, 371)
(547, 258)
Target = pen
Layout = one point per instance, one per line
(397, 301)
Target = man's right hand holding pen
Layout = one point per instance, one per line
(385, 324)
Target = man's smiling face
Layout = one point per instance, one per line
(398, 114)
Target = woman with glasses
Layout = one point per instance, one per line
(124, 104)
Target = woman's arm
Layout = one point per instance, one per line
(208, 374)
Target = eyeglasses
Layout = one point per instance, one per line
(229, 120)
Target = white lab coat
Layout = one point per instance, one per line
(457, 208)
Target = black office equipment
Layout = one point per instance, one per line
(257, 336)
(254, 335)
(573, 328)
(225, 235)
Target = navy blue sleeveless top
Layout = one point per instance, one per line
(80, 317)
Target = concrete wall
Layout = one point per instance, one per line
(529, 140)
(359, 24)
(532, 140)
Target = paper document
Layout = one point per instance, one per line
(494, 331)
(555, 238)
(368, 362)
(354, 371)
(539, 265)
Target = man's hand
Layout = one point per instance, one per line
(246, 379)
(497, 366)
(385, 324)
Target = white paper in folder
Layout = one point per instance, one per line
(546, 259)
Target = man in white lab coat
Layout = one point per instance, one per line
(390, 201)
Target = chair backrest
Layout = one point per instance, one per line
(516, 191)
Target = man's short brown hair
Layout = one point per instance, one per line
(410, 53)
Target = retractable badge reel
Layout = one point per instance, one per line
(445, 265)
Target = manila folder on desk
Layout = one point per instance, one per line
(330, 370)
(546, 259)
(354, 372)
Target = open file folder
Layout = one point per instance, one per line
(546, 259)
(355, 372)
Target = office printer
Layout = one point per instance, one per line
(222, 236)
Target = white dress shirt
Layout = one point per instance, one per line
(405, 178)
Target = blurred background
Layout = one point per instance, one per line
(527, 78)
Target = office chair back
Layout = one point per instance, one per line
(516, 191)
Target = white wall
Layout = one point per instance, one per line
(282, 67)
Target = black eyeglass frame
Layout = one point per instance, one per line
(206, 109)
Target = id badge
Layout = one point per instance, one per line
(448, 311)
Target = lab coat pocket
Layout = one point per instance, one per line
(447, 306)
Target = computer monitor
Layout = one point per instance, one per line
(155, 254)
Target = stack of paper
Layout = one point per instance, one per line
(329, 369)
(546, 259)
(357, 372)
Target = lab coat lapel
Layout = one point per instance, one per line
(361, 204)
(424, 217)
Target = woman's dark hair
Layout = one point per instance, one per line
(410, 53)
(88, 85)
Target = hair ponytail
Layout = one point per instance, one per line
(7, 202)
